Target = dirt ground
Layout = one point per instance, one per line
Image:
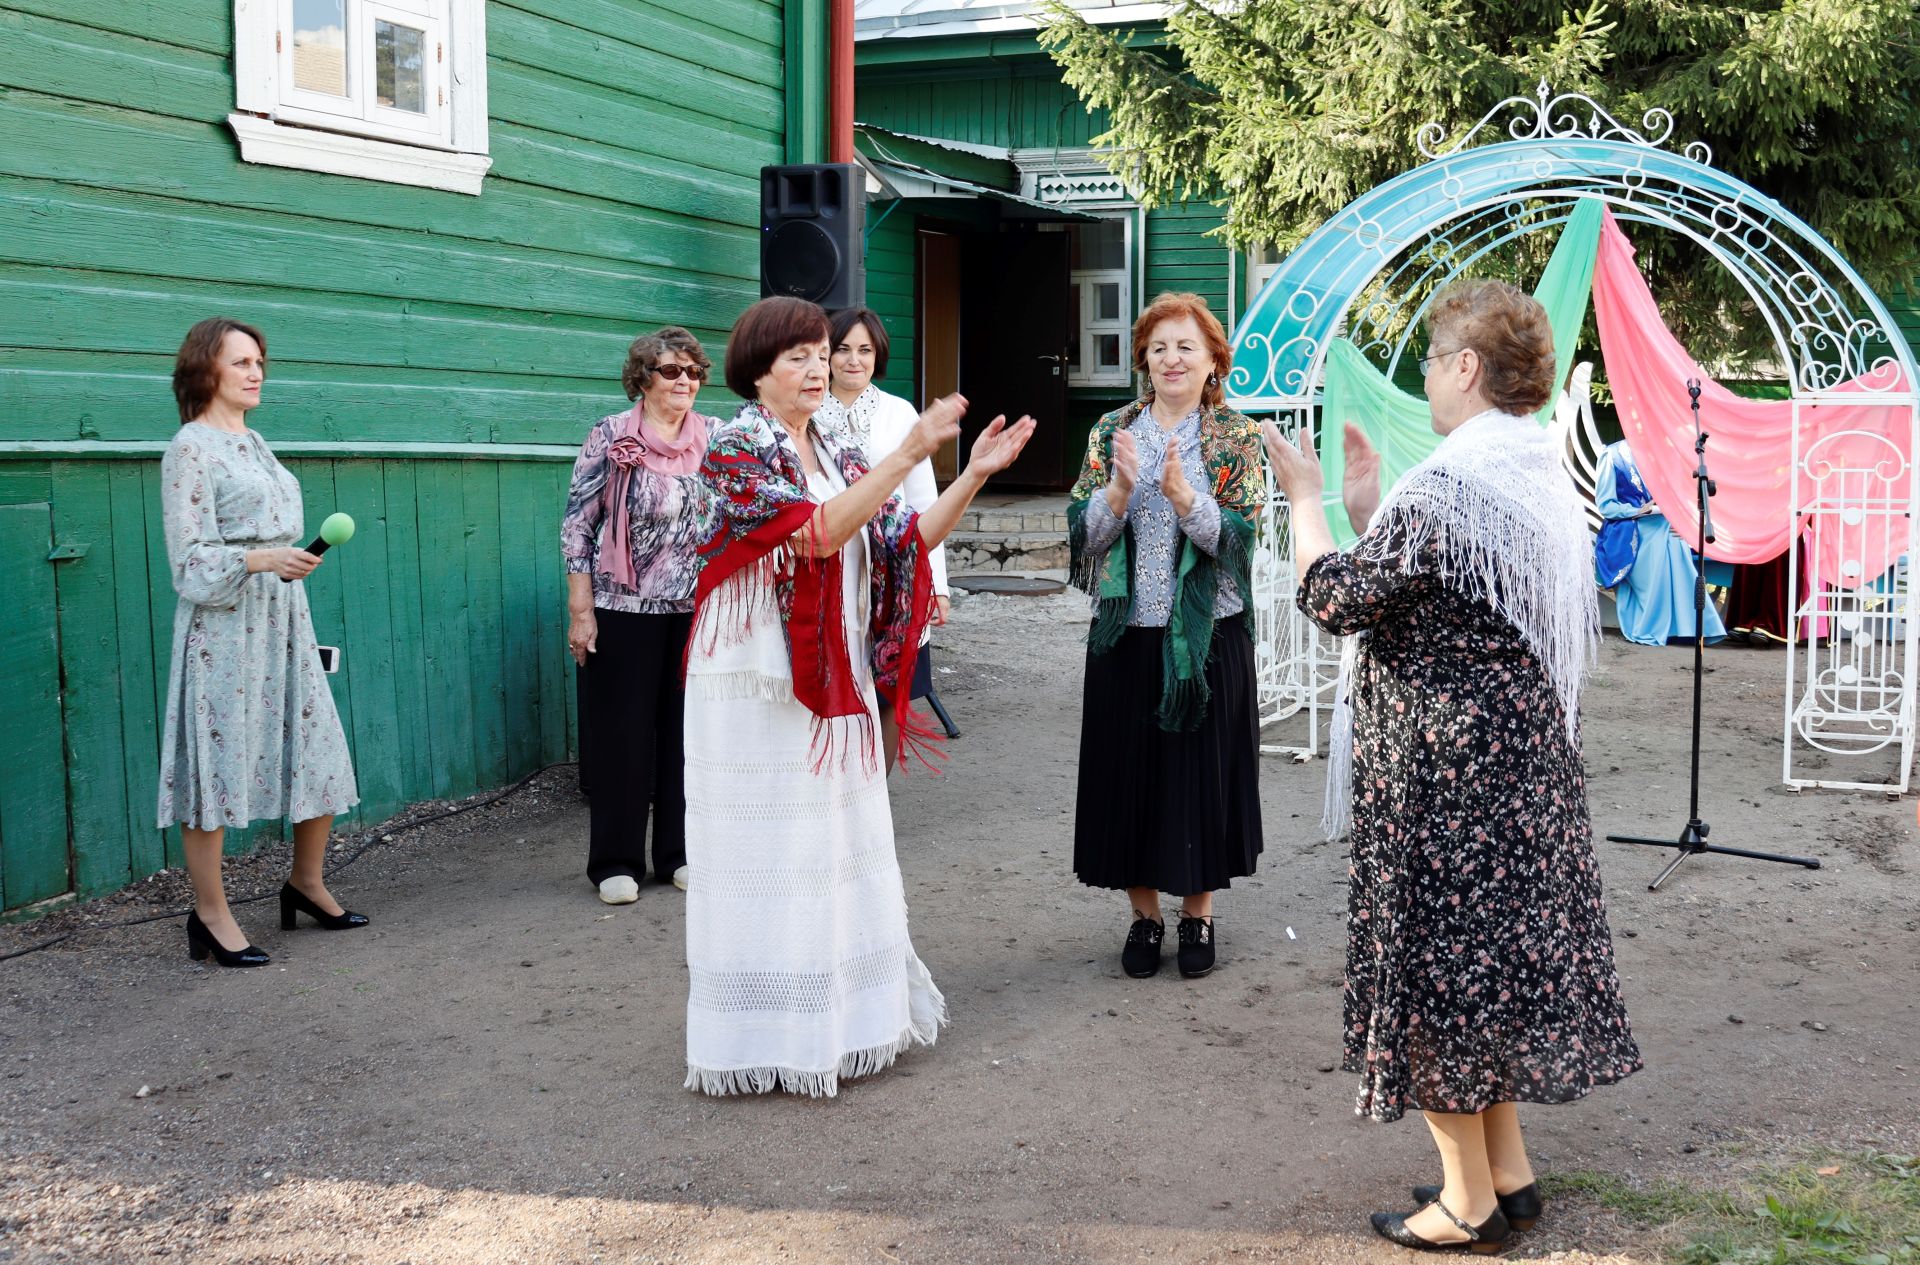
(492, 1071)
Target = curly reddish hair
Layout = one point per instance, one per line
(1508, 329)
(1171, 306)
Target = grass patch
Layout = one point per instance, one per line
(1828, 1208)
(1645, 1205)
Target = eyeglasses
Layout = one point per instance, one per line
(1426, 361)
(672, 372)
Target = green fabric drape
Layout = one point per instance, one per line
(1353, 389)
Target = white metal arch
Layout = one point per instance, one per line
(1370, 271)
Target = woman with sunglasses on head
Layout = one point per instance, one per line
(636, 511)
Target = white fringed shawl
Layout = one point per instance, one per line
(1498, 511)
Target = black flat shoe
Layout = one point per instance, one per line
(293, 901)
(200, 944)
(1522, 1208)
(1196, 946)
(1141, 957)
(1483, 1240)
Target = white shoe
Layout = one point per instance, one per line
(680, 878)
(619, 890)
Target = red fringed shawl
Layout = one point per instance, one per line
(766, 530)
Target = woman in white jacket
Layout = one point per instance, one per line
(878, 423)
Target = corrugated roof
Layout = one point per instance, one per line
(909, 19)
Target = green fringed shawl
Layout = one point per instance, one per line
(1230, 448)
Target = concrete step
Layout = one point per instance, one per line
(1013, 522)
(990, 551)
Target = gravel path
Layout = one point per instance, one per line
(491, 1072)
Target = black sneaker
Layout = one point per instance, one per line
(1141, 957)
(1196, 946)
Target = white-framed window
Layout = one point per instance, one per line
(390, 90)
(1100, 275)
(1263, 260)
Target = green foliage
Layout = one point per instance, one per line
(1284, 111)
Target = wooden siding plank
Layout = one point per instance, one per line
(368, 663)
(162, 602)
(538, 98)
(133, 618)
(22, 482)
(739, 84)
(62, 59)
(47, 308)
(414, 758)
(543, 156)
(549, 614)
(147, 237)
(738, 37)
(90, 667)
(58, 403)
(33, 783)
(140, 153)
(480, 489)
(326, 588)
(444, 610)
(187, 23)
(526, 530)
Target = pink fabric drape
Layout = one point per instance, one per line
(1749, 446)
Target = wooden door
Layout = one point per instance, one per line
(34, 859)
(1013, 346)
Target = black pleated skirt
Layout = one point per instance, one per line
(1177, 812)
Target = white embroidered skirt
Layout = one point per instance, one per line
(801, 968)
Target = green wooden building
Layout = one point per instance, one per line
(1005, 257)
(449, 217)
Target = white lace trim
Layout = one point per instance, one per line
(1498, 508)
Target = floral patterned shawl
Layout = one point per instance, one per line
(766, 521)
(1230, 448)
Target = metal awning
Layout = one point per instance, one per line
(919, 167)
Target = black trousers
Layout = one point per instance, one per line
(631, 745)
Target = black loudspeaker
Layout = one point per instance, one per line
(812, 224)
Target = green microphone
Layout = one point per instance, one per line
(336, 529)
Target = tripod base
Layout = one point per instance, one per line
(939, 709)
(1693, 841)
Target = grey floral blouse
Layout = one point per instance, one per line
(1156, 527)
(251, 731)
(667, 518)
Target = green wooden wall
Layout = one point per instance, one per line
(434, 359)
(891, 270)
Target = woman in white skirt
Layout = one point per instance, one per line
(812, 602)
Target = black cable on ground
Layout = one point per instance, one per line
(373, 835)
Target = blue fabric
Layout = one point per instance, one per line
(1618, 542)
(1653, 594)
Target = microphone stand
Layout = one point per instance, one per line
(1693, 839)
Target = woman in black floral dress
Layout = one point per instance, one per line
(1480, 970)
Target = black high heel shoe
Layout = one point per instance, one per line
(1482, 1240)
(1522, 1208)
(294, 901)
(200, 943)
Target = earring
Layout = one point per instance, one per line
(1213, 379)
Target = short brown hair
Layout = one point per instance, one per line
(1508, 330)
(196, 372)
(841, 323)
(763, 332)
(649, 350)
(1172, 306)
